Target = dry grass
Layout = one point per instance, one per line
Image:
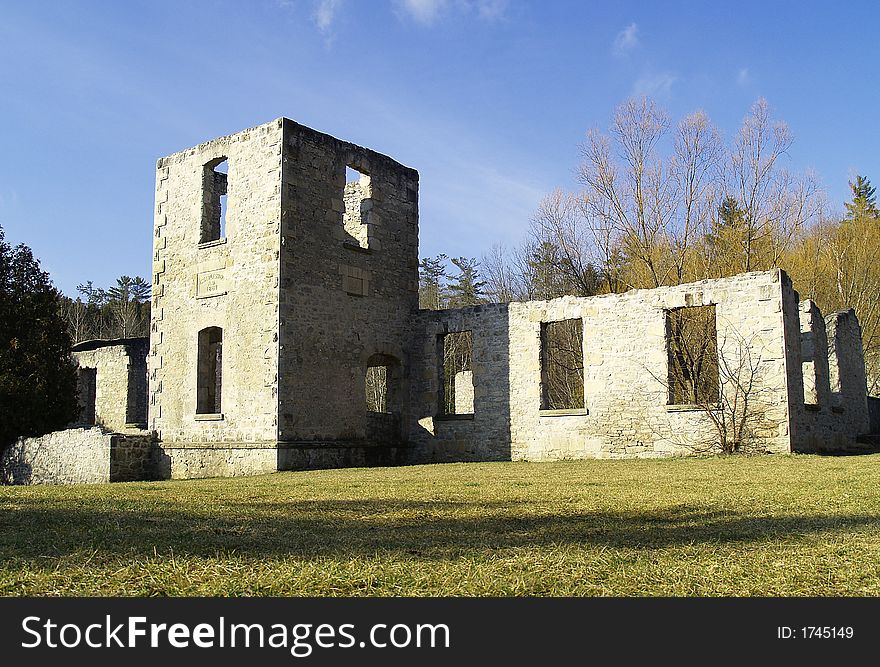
(774, 525)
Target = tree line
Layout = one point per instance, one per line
(121, 311)
(662, 203)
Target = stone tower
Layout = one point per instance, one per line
(285, 272)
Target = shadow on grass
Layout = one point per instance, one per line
(431, 530)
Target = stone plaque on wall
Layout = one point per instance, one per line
(355, 281)
(210, 283)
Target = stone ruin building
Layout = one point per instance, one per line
(286, 335)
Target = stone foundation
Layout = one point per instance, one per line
(80, 456)
(190, 461)
(199, 461)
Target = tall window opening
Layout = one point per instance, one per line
(88, 394)
(811, 395)
(692, 347)
(457, 379)
(562, 365)
(358, 199)
(383, 397)
(210, 371)
(377, 389)
(215, 179)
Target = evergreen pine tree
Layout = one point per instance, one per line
(432, 273)
(37, 376)
(864, 201)
(466, 288)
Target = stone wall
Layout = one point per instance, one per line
(230, 283)
(832, 410)
(316, 277)
(313, 278)
(464, 392)
(348, 285)
(120, 389)
(80, 456)
(626, 410)
(198, 460)
(485, 434)
(135, 458)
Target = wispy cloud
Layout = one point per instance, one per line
(427, 12)
(423, 11)
(626, 40)
(743, 78)
(324, 14)
(491, 9)
(652, 84)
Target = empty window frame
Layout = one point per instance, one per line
(811, 395)
(383, 398)
(214, 189)
(138, 381)
(358, 200)
(562, 365)
(456, 374)
(808, 369)
(88, 394)
(692, 348)
(376, 382)
(210, 371)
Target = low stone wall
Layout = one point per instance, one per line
(73, 456)
(196, 461)
(829, 408)
(120, 367)
(134, 458)
(627, 411)
(80, 456)
(313, 456)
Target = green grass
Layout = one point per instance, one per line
(772, 525)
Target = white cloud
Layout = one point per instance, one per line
(427, 12)
(324, 14)
(491, 9)
(654, 85)
(743, 78)
(423, 11)
(626, 40)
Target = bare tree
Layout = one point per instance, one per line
(562, 365)
(837, 263)
(632, 192)
(740, 412)
(721, 379)
(457, 357)
(125, 301)
(500, 275)
(559, 221)
(776, 203)
(696, 168)
(79, 320)
(557, 258)
(376, 382)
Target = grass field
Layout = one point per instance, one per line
(772, 525)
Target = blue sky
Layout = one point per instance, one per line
(488, 99)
